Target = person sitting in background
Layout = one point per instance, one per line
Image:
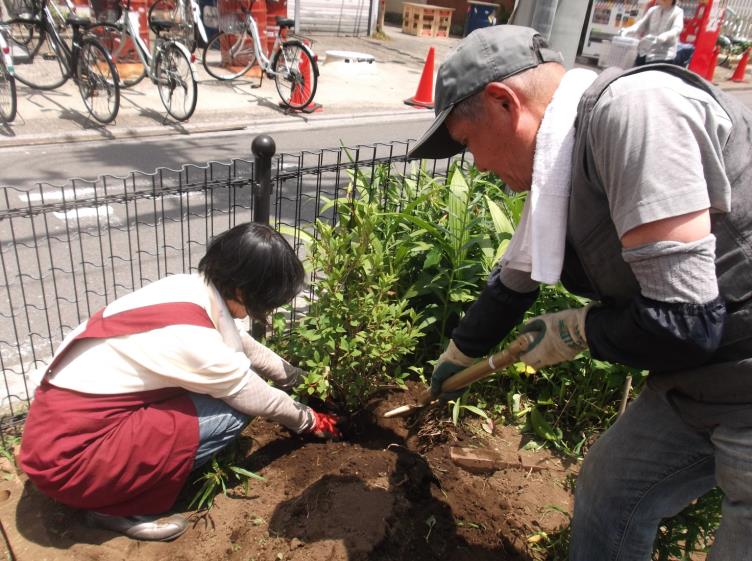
(658, 31)
(153, 385)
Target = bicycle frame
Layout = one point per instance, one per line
(197, 21)
(53, 6)
(265, 61)
(147, 57)
(5, 49)
(69, 53)
(133, 30)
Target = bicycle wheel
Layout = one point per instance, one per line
(7, 94)
(295, 74)
(123, 50)
(22, 31)
(229, 55)
(97, 81)
(179, 13)
(41, 64)
(175, 81)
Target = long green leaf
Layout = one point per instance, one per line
(477, 410)
(457, 223)
(500, 220)
(246, 473)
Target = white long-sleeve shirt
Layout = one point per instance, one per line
(215, 362)
(660, 29)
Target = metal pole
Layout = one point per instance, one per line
(263, 148)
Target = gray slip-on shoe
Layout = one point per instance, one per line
(151, 528)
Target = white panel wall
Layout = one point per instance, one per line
(334, 17)
(742, 26)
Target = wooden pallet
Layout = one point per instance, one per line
(426, 21)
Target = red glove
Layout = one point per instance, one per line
(324, 425)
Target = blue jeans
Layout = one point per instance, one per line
(649, 466)
(218, 425)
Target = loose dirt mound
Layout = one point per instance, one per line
(388, 492)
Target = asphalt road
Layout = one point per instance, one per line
(54, 164)
(27, 166)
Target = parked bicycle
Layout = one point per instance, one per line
(45, 61)
(734, 39)
(8, 100)
(291, 64)
(186, 16)
(168, 64)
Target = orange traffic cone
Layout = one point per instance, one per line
(741, 68)
(299, 91)
(424, 96)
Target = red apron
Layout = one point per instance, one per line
(122, 454)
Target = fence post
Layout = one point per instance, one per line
(263, 148)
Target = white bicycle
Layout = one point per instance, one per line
(168, 64)
(291, 63)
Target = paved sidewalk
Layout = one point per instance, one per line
(344, 90)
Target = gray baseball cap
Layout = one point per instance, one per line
(489, 54)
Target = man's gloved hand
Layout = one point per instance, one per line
(451, 361)
(324, 425)
(561, 337)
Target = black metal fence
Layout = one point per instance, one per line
(69, 250)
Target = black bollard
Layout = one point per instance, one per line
(263, 148)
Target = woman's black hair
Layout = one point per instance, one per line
(258, 262)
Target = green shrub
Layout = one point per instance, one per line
(358, 329)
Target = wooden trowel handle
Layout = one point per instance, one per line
(485, 367)
(472, 373)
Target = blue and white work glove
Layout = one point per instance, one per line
(560, 337)
(451, 361)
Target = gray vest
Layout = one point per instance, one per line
(593, 264)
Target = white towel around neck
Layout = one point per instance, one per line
(537, 246)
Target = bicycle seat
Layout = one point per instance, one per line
(285, 22)
(77, 21)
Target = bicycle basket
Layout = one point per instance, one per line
(106, 11)
(25, 8)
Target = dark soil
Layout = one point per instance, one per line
(388, 492)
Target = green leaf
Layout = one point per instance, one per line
(246, 473)
(477, 410)
(541, 427)
(433, 258)
(500, 220)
